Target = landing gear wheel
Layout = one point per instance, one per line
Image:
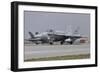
(36, 43)
(51, 43)
(62, 42)
(71, 42)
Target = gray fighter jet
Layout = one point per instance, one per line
(52, 36)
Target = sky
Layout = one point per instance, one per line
(67, 22)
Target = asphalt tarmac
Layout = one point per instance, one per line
(42, 51)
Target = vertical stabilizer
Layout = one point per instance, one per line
(30, 33)
(69, 30)
(76, 31)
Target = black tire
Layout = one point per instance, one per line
(71, 42)
(51, 43)
(36, 43)
(62, 42)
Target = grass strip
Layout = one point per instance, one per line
(67, 57)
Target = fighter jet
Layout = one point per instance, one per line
(52, 36)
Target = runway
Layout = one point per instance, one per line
(41, 51)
